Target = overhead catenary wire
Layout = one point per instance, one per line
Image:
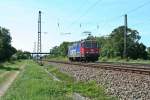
(59, 25)
(131, 11)
(142, 22)
(82, 15)
(128, 12)
(90, 8)
(111, 19)
(138, 7)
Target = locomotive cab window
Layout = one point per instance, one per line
(90, 44)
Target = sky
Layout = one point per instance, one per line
(73, 16)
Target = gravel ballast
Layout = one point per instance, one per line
(124, 85)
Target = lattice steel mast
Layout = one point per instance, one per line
(39, 46)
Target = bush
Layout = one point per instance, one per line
(13, 57)
(104, 59)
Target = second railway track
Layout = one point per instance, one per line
(132, 68)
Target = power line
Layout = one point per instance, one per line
(148, 21)
(130, 11)
(81, 16)
(138, 7)
(93, 5)
(112, 19)
(80, 7)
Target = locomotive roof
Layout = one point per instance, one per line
(76, 42)
(83, 41)
(88, 40)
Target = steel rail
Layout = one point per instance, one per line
(121, 67)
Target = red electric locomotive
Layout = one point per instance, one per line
(85, 50)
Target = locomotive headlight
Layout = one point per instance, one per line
(87, 52)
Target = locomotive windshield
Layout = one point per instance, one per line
(90, 44)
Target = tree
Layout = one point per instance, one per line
(64, 48)
(22, 55)
(148, 52)
(55, 51)
(113, 44)
(138, 50)
(6, 50)
(27, 55)
(117, 39)
(61, 50)
(105, 46)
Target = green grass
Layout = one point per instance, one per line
(5, 77)
(58, 58)
(7, 68)
(89, 89)
(33, 83)
(105, 59)
(119, 60)
(13, 65)
(59, 74)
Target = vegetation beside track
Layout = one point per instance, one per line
(7, 68)
(88, 89)
(105, 59)
(58, 58)
(119, 60)
(35, 84)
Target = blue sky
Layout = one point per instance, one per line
(20, 17)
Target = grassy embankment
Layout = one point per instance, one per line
(58, 58)
(88, 89)
(35, 84)
(105, 59)
(119, 60)
(8, 68)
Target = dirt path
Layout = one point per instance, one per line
(3, 74)
(6, 84)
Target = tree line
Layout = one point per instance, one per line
(112, 46)
(7, 51)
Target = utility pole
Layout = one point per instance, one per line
(39, 36)
(125, 36)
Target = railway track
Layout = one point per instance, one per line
(124, 67)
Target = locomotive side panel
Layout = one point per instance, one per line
(74, 50)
